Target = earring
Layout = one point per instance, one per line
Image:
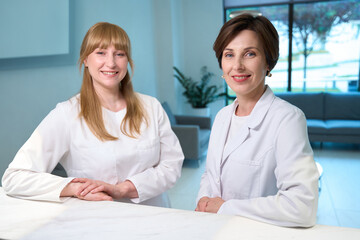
(222, 76)
(268, 74)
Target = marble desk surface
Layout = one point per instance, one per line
(77, 219)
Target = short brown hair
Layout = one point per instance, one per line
(266, 32)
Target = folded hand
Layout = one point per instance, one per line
(207, 204)
(81, 188)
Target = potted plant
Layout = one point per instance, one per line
(199, 93)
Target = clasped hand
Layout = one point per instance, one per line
(93, 190)
(207, 204)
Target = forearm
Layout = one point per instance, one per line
(125, 189)
(155, 180)
(205, 189)
(289, 211)
(33, 185)
(70, 190)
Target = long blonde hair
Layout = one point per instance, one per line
(103, 35)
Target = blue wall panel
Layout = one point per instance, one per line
(34, 28)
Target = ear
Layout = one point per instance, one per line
(85, 62)
(267, 69)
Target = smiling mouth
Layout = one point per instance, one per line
(241, 78)
(109, 73)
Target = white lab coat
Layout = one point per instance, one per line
(268, 173)
(152, 162)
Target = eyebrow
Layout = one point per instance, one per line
(248, 48)
(103, 49)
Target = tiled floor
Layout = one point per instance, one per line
(183, 195)
(339, 201)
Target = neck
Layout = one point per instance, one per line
(111, 99)
(248, 102)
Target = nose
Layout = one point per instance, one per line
(238, 64)
(110, 61)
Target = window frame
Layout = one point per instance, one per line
(290, 5)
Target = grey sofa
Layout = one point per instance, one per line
(193, 133)
(331, 117)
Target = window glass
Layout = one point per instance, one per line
(326, 47)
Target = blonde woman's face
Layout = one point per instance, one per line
(107, 67)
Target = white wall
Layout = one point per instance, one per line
(163, 33)
(201, 23)
(184, 34)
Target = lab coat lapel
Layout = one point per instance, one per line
(243, 133)
(254, 120)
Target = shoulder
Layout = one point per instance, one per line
(284, 113)
(70, 106)
(148, 101)
(62, 114)
(283, 107)
(275, 106)
(224, 112)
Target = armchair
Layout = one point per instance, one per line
(193, 133)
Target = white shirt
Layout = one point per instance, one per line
(152, 162)
(235, 125)
(268, 173)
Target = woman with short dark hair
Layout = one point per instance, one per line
(260, 163)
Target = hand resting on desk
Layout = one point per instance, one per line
(121, 190)
(207, 204)
(74, 188)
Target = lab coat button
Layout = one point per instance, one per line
(218, 180)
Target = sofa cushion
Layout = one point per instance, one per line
(342, 106)
(343, 127)
(310, 103)
(316, 126)
(204, 138)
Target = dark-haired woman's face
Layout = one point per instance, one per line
(244, 65)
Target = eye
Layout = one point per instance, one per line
(121, 54)
(100, 53)
(250, 54)
(228, 55)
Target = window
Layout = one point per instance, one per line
(326, 45)
(319, 44)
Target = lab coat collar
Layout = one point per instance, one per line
(261, 108)
(254, 120)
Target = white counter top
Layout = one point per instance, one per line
(77, 219)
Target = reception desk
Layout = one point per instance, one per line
(77, 219)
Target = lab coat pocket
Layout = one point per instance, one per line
(241, 179)
(148, 152)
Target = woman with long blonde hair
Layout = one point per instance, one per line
(114, 143)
